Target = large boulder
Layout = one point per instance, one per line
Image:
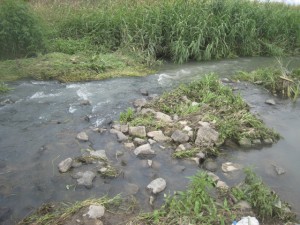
(144, 150)
(157, 185)
(179, 136)
(95, 212)
(163, 117)
(206, 136)
(139, 131)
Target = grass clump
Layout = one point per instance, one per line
(4, 88)
(127, 116)
(277, 80)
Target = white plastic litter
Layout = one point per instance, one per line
(248, 221)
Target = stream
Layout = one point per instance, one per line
(39, 122)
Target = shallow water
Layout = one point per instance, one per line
(38, 131)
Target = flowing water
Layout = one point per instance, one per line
(39, 124)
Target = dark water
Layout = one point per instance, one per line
(38, 131)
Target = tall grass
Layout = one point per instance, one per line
(179, 30)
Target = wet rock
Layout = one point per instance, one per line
(230, 167)
(149, 162)
(206, 136)
(139, 131)
(268, 141)
(151, 141)
(95, 212)
(85, 179)
(157, 185)
(180, 137)
(65, 165)
(222, 185)
(213, 176)
(245, 143)
(99, 154)
(144, 92)
(163, 117)
(119, 153)
(6, 102)
(158, 136)
(153, 97)
(183, 147)
(85, 102)
(129, 145)
(5, 213)
(147, 111)
(76, 164)
(121, 137)
(144, 150)
(82, 136)
(139, 141)
(151, 200)
(122, 128)
(210, 165)
(256, 142)
(201, 156)
(139, 103)
(279, 170)
(270, 102)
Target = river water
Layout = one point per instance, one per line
(38, 129)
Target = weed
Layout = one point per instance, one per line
(127, 116)
(4, 88)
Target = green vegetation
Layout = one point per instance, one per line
(198, 204)
(4, 88)
(146, 30)
(277, 80)
(127, 116)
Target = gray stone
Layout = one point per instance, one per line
(138, 103)
(222, 185)
(163, 117)
(225, 80)
(114, 131)
(268, 141)
(151, 141)
(65, 165)
(230, 167)
(85, 102)
(99, 154)
(144, 150)
(121, 137)
(157, 185)
(195, 104)
(129, 145)
(179, 136)
(210, 165)
(270, 102)
(121, 127)
(245, 143)
(147, 111)
(213, 176)
(279, 170)
(175, 117)
(139, 131)
(158, 136)
(149, 162)
(151, 200)
(153, 97)
(139, 141)
(76, 164)
(95, 211)
(144, 92)
(206, 136)
(183, 147)
(86, 178)
(82, 136)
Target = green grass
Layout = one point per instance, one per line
(277, 80)
(4, 88)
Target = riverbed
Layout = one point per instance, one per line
(39, 122)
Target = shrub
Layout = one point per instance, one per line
(20, 31)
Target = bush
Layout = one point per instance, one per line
(20, 31)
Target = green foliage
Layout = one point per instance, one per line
(4, 88)
(276, 79)
(127, 116)
(21, 33)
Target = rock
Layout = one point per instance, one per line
(119, 153)
(183, 123)
(279, 170)
(95, 212)
(151, 141)
(5, 213)
(163, 117)
(206, 136)
(213, 176)
(158, 136)
(222, 185)
(139, 141)
(129, 145)
(85, 179)
(268, 141)
(147, 111)
(183, 147)
(99, 154)
(179, 136)
(82, 136)
(201, 157)
(153, 97)
(139, 131)
(258, 82)
(144, 92)
(139, 103)
(76, 164)
(121, 137)
(270, 102)
(248, 221)
(195, 104)
(144, 150)
(151, 200)
(256, 142)
(85, 102)
(185, 99)
(114, 131)
(149, 162)
(245, 143)
(122, 128)
(175, 117)
(230, 167)
(65, 165)
(243, 206)
(187, 128)
(157, 185)
(210, 165)
(225, 80)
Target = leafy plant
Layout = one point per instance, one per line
(127, 116)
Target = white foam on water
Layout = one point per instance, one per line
(98, 122)
(72, 109)
(41, 94)
(83, 93)
(73, 86)
(99, 105)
